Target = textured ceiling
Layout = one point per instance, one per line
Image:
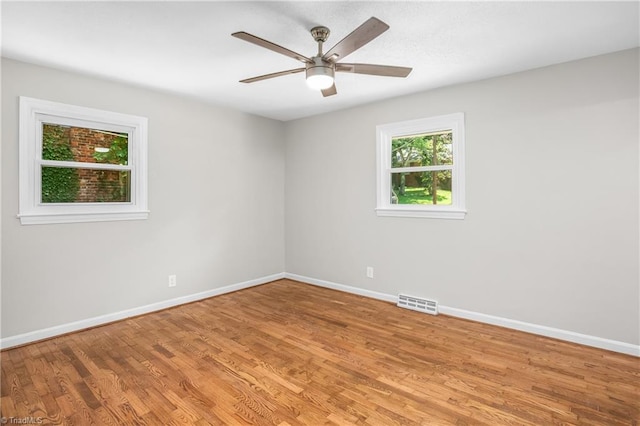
(187, 48)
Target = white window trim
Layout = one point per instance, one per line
(385, 134)
(34, 112)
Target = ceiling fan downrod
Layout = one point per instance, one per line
(320, 34)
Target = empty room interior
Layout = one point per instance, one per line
(306, 213)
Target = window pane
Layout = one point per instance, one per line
(419, 188)
(68, 185)
(422, 150)
(65, 143)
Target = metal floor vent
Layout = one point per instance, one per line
(418, 304)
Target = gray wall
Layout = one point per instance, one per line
(551, 235)
(216, 186)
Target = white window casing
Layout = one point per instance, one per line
(33, 114)
(387, 132)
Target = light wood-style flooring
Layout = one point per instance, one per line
(287, 353)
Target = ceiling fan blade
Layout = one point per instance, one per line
(271, 46)
(362, 35)
(330, 91)
(383, 70)
(272, 75)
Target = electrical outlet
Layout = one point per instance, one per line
(173, 281)
(369, 272)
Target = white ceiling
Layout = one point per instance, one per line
(187, 48)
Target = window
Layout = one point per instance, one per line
(80, 164)
(421, 168)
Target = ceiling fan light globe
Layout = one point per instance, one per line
(319, 74)
(319, 81)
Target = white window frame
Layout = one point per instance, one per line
(386, 133)
(35, 112)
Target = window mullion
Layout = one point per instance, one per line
(421, 169)
(82, 165)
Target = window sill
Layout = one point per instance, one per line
(42, 219)
(422, 213)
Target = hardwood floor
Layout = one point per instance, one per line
(287, 353)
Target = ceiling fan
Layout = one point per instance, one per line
(320, 69)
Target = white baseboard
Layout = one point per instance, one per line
(542, 330)
(33, 336)
(342, 287)
(569, 336)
